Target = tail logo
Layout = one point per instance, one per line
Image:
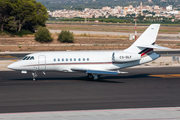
(145, 51)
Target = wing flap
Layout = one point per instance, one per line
(102, 72)
(79, 69)
(95, 71)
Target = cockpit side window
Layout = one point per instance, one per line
(28, 58)
(32, 58)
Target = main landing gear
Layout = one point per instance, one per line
(92, 76)
(34, 74)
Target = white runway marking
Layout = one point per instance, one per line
(171, 113)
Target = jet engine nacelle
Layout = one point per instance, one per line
(125, 57)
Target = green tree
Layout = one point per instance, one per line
(22, 14)
(66, 36)
(23, 10)
(43, 35)
(141, 17)
(5, 10)
(39, 19)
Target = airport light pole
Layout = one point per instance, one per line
(135, 25)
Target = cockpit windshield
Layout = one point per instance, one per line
(24, 58)
(28, 58)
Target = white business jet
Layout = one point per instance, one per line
(93, 63)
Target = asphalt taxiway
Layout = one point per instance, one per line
(140, 88)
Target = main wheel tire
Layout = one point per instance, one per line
(90, 76)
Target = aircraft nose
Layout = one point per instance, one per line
(12, 66)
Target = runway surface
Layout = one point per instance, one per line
(141, 88)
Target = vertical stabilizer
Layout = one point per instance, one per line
(147, 38)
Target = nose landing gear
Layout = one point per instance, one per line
(34, 74)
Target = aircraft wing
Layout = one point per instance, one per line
(97, 71)
(102, 72)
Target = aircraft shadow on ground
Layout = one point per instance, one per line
(66, 78)
(103, 78)
(127, 76)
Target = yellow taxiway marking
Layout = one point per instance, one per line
(14, 60)
(166, 76)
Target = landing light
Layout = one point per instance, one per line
(24, 72)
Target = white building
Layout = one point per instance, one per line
(169, 8)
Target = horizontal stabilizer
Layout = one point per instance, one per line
(152, 46)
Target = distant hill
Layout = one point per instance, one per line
(81, 4)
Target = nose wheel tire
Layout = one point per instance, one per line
(34, 74)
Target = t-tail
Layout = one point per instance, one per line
(145, 44)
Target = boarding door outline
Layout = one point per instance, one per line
(42, 62)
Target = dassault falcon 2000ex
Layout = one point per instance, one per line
(93, 63)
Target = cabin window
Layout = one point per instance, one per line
(87, 59)
(66, 59)
(83, 59)
(58, 59)
(79, 59)
(74, 59)
(62, 59)
(70, 59)
(54, 59)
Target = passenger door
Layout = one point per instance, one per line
(42, 62)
